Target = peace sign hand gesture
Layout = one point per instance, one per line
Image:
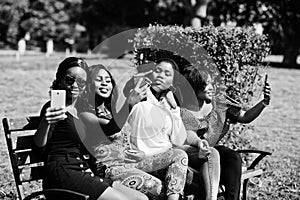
(139, 92)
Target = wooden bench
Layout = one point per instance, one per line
(26, 165)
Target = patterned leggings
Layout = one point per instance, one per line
(134, 175)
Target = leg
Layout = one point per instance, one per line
(211, 174)
(209, 170)
(231, 171)
(119, 192)
(135, 179)
(175, 161)
(130, 193)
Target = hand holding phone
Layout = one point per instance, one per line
(266, 78)
(145, 79)
(56, 111)
(267, 91)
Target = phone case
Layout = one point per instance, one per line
(58, 98)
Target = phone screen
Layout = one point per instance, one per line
(58, 98)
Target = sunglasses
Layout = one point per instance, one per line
(70, 80)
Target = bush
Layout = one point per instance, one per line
(237, 53)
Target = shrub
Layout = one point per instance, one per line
(237, 53)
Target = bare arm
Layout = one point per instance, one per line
(137, 94)
(251, 114)
(254, 112)
(192, 138)
(97, 127)
(195, 141)
(43, 133)
(90, 119)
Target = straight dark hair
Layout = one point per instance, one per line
(89, 98)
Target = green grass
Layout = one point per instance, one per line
(24, 87)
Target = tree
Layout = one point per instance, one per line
(11, 12)
(51, 19)
(280, 20)
(105, 18)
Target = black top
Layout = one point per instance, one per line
(65, 137)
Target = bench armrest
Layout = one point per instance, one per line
(261, 155)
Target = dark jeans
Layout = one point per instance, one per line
(231, 171)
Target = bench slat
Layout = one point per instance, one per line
(23, 124)
(251, 173)
(31, 165)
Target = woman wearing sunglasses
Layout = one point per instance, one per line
(59, 138)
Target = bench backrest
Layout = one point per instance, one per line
(26, 164)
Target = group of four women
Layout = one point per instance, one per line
(149, 133)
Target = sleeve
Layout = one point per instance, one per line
(179, 134)
(191, 122)
(233, 112)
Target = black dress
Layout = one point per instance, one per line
(64, 165)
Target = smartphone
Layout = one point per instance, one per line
(266, 78)
(58, 98)
(137, 77)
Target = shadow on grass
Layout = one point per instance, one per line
(281, 65)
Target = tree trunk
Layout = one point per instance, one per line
(292, 40)
(290, 55)
(200, 12)
(292, 46)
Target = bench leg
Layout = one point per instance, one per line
(245, 184)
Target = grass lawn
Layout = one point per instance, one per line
(24, 89)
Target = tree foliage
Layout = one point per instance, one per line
(43, 19)
(280, 20)
(11, 12)
(102, 18)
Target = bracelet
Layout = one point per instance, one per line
(264, 104)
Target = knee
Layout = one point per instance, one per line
(141, 196)
(181, 155)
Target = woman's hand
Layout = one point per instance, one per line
(134, 155)
(54, 115)
(139, 92)
(203, 148)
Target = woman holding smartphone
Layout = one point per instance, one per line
(214, 110)
(59, 137)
